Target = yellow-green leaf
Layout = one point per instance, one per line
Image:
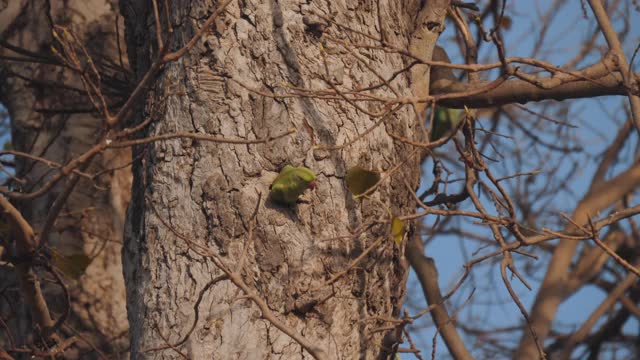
(360, 180)
(73, 265)
(397, 230)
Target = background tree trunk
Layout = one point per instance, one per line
(207, 193)
(92, 220)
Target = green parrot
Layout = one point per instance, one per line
(291, 183)
(445, 120)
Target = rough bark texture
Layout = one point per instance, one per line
(93, 218)
(207, 192)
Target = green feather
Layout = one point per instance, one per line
(290, 184)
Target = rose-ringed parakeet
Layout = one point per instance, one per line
(291, 183)
(445, 120)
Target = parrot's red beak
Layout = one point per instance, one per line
(312, 185)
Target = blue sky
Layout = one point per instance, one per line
(597, 121)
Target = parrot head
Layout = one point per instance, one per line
(305, 176)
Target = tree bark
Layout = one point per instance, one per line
(196, 205)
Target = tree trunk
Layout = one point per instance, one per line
(51, 120)
(195, 203)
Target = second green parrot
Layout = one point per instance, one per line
(291, 183)
(445, 120)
